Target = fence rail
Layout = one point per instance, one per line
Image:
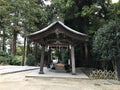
(100, 74)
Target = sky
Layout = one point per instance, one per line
(47, 2)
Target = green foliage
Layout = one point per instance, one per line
(16, 61)
(3, 60)
(3, 57)
(57, 54)
(64, 9)
(2, 53)
(89, 10)
(62, 55)
(106, 43)
(98, 13)
(65, 56)
(21, 17)
(13, 60)
(9, 59)
(30, 60)
(38, 56)
(20, 51)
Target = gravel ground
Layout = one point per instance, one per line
(18, 81)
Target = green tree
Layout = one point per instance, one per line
(106, 44)
(3, 14)
(85, 16)
(20, 17)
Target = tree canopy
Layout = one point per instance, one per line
(20, 17)
(106, 45)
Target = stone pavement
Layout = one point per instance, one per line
(52, 74)
(15, 69)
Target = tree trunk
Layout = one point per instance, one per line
(14, 43)
(3, 45)
(35, 52)
(118, 68)
(28, 48)
(23, 60)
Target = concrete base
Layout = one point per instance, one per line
(41, 72)
(73, 73)
(48, 73)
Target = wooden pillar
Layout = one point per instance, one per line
(73, 60)
(49, 58)
(68, 50)
(35, 52)
(70, 55)
(86, 54)
(42, 60)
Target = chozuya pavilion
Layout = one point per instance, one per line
(58, 34)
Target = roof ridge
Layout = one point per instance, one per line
(63, 25)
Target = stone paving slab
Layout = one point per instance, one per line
(7, 66)
(50, 74)
(16, 69)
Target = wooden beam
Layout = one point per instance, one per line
(57, 45)
(42, 60)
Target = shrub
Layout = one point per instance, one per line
(30, 60)
(106, 44)
(19, 50)
(6, 58)
(9, 59)
(16, 61)
(2, 53)
(3, 60)
(13, 60)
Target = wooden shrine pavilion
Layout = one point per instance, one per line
(58, 34)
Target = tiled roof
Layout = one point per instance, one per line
(62, 24)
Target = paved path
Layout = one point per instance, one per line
(18, 81)
(51, 74)
(16, 69)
